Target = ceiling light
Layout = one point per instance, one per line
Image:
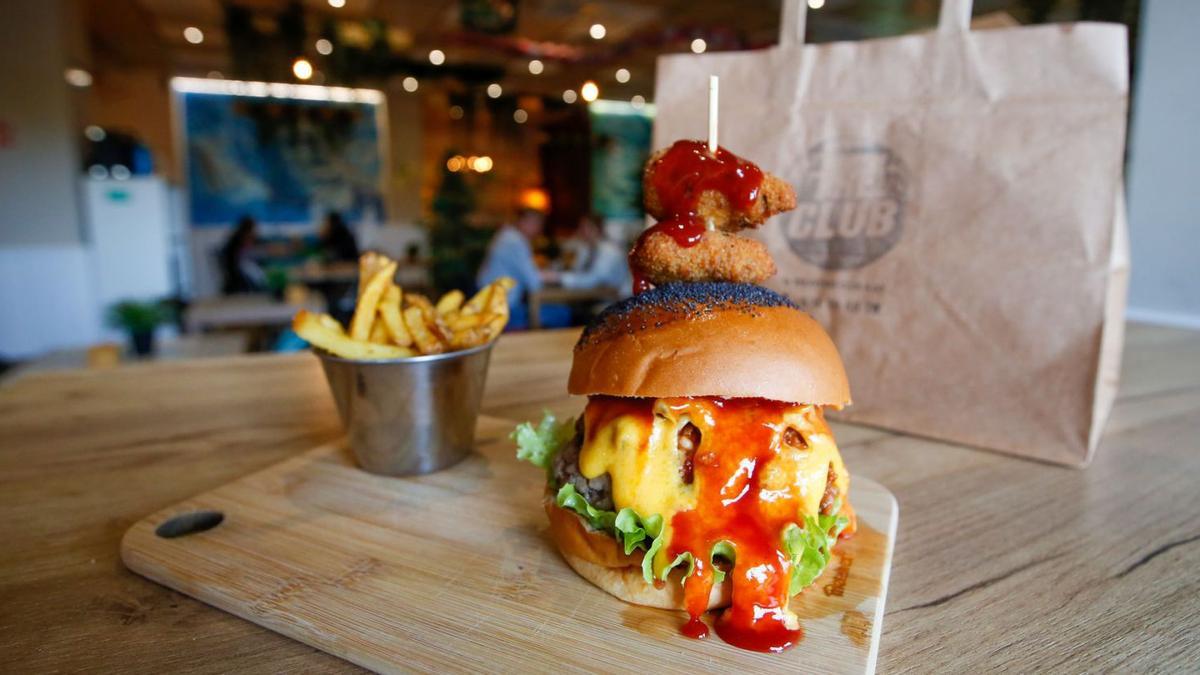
(455, 163)
(535, 67)
(597, 31)
(94, 133)
(589, 91)
(638, 101)
(456, 112)
(410, 84)
(569, 96)
(193, 35)
(520, 116)
(494, 90)
(120, 172)
(437, 57)
(324, 47)
(699, 45)
(816, 4)
(622, 75)
(302, 68)
(337, 4)
(78, 77)
(483, 164)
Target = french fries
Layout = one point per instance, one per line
(423, 337)
(389, 311)
(390, 324)
(315, 331)
(449, 303)
(368, 301)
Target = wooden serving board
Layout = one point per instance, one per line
(455, 571)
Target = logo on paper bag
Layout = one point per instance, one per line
(850, 206)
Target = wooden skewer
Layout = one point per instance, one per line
(713, 96)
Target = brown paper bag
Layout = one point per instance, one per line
(960, 228)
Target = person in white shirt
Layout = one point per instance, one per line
(600, 262)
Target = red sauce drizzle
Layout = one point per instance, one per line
(730, 507)
(679, 177)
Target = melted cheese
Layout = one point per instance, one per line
(638, 449)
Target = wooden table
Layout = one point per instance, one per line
(1001, 563)
(176, 348)
(566, 296)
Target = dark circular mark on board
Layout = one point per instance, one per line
(189, 523)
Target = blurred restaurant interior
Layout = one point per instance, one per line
(177, 177)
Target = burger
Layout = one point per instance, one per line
(701, 474)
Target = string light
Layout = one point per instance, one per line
(536, 66)
(589, 91)
(520, 116)
(94, 133)
(816, 4)
(699, 45)
(455, 163)
(324, 47)
(302, 69)
(483, 164)
(437, 57)
(494, 90)
(638, 101)
(193, 35)
(622, 75)
(569, 96)
(597, 31)
(78, 77)
(337, 4)
(456, 112)
(410, 84)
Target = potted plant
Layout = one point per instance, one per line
(139, 320)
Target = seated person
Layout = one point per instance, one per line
(600, 262)
(240, 272)
(510, 254)
(337, 242)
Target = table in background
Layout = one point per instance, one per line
(1000, 563)
(566, 296)
(245, 310)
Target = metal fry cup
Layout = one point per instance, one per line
(409, 416)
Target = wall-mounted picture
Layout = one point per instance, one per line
(280, 160)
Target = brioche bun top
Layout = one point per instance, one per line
(709, 339)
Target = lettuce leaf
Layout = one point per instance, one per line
(627, 526)
(811, 547)
(539, 445)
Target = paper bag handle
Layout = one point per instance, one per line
(791, 22)
(954, 17)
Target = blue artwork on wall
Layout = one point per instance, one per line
(280, 160)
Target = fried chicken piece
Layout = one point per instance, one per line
(718, 256)
(713, 208)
